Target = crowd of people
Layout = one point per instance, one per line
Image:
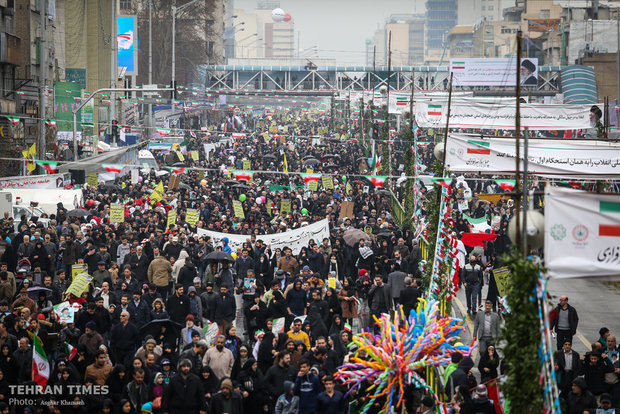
(166, 326)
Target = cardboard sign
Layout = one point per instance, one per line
(172, 218)
(77, 269)
(201, 174)
(238, 209)
(346, 209)
(181, 157)
(268, 206)
(313, 185)
(285, 206)
(328, 182)
(331, 283)
(117, 213)
(65, 313)
(502, 278)
(93, 179)
(134, 176)
(194, 155)
(247, 165)
(192, 217)
(79, 285)
(173, 182)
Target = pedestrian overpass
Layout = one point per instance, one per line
(312, 78)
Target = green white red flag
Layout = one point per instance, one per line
(442, 181)
(70, 351)
(13, 119)
(310, 177)
(376, 180)
(506, 185)
(40, 364)
(50, 167)
(115, 168)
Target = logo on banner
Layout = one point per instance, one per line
(580, 233)
(558, 232)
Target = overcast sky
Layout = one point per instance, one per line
(339, 27)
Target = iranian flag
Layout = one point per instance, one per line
(51, 122)
(236, 135)
(376, 180)
(70, 351)
(609, 230)
(19, 93)
(105, 101)
(163, 131)
(458, 65)
(506, 185)
(241, 175)
(402, 101)
(479, 225)
(434, 110)
(77, 98)
(68, 92)
(310, 177)
(177, 170)
(481, 147)
(13, 119)
(194, 103)
(49, 166)
(442, 181)
(40, 364)
(115, 168)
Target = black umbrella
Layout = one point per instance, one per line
(231, 182)
(184, 186)
(219, 256)
(311, 161)
(385, 233)
(153, 328)
(353, 236)
(178, 164)
(330, 166)
(384, 192)
(361, 159)
(305, 157)
(331, 156)
(270, 157)
(78, 212)
(112, 186)
(241, 187)
(33, 292)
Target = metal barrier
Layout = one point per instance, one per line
(398, 212)
(424, 246)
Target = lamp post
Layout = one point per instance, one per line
(175, 10)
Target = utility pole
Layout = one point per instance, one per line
(517, 145)
(113, 69)
(618, 60)
(42, 83)
(149, 106)
(387, 106)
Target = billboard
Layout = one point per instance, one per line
(126, 28)
(493, 72)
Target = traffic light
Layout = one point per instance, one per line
(114, 135)
(375, 131)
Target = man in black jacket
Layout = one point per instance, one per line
(409, 295)
(139, 263)
(227, 401)
(124, 340)
(225, 309)
(178, 306)
(565, 322)
(184, 394)
(276, 375)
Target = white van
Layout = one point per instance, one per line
(147, 160)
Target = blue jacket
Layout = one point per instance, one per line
(334, 405)
(296, 300)
(308, 388)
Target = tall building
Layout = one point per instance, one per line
(441, 17)
(258, 36)
(407, 41)
(471, 12)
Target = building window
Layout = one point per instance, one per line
(490, 8)
(125, 5)
(484, 8)
(545, 13)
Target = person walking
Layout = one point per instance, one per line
(565, 322)
(486, 327)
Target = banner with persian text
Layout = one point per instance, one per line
(582, 233)
(295, 239)
(473, 153)
(468, 114)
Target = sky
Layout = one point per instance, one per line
(338, 27)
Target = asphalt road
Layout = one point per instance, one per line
(597, 304)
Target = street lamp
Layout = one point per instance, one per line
(176, 9)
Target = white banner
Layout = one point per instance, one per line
(467, 114)
(493, 71)
(582, 233)
(33, 181)
(295, 239)
(471, 153)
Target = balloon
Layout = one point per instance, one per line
(304, 211)
(287, 17)
(140, 178)
(203, 182)
(225, 171)
(242, 198)
(344, 178)
(259, 200)
(278, 15)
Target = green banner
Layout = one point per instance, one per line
(64, 103)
